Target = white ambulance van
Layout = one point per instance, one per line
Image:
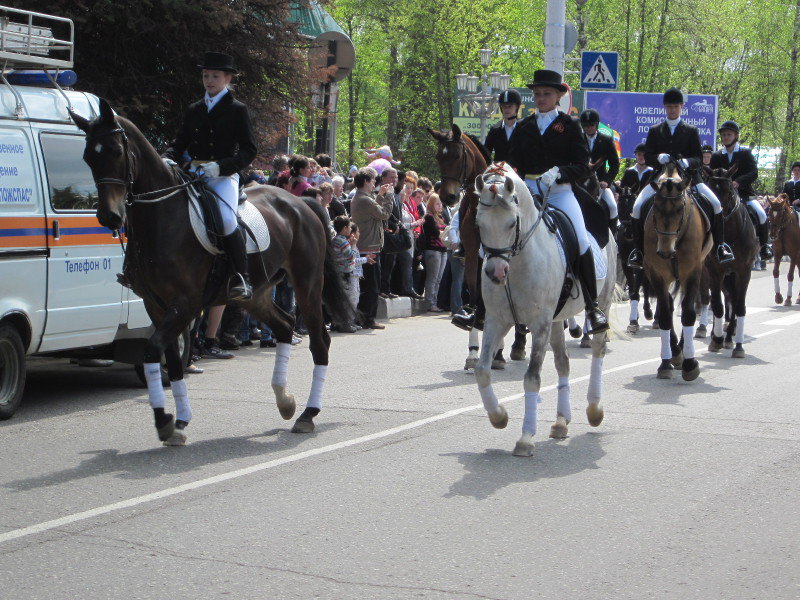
(58, 291)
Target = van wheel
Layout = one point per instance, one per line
(12, 370)
(184, 347)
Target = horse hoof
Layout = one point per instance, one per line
(303, 425)
(701, 332)
(778, 298)
(727, 344)
(797, 300)
(665, 370)
(594, 412)
(471, 363)
(677, 359)
(498, 364)
(576, 332)
(738, 352)
(523, 449)
(178, 438)
(715, 345)
(586, 342)
(648, 313)
(518, 354)
(558, 431)
(633, 327)
(167, 429)
(787, 302)
(286, 406)
(499, 419)
(690, 369)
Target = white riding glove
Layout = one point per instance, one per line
(210, 169)
(549, 178)
(169, 162)
(684, 162)
(664, 158)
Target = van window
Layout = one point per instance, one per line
(71, 184)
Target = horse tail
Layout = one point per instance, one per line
(334, 295)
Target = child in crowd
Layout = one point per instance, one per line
(358, 271)
(345, 258)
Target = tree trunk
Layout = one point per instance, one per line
(640, 58)
(627, 46)
(394, 78)
(787, 145)
(659, 41)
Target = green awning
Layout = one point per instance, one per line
(313, 20)
(318, 25)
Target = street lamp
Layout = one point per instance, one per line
(483, 102)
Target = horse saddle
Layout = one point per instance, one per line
(206, 220)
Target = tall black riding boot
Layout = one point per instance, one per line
(613, 225)
(723, 250)
(239, 284)
(636, 257)
(763, 238)
(595, 318)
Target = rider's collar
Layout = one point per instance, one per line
(736, 148)
(673, 122)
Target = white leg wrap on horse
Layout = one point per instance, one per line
(688, 341)
(789, 293)
(532, 400)
(703, 315)
(282, 353)
(718, 327)
(777, 285)
(634, 310)
(317, 383)
(594, 393)
(739, 336)
(564, 409)
(155, 389)
(183, 412)
(666, 349)
(572, 323)
(489, 398)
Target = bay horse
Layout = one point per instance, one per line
(733, 278)
(170, 268)
(523, 276)
(635, 278)
(461, 160)
(676, 242)
(785, 231)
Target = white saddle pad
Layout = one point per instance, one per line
(247, 212)
(600, 263)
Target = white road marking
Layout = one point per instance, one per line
(787, 320)
(270, 464)
(766, 333)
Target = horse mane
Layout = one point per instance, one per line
(481, 148)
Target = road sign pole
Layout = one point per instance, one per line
(554, 35)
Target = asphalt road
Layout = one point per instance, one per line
(686, 490)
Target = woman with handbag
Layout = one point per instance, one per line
(435, 250)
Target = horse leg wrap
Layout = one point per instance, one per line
(688, 342)
(155, 389)
(183, 412)
(718, 327)
(666, 349)
(317, 383)
(594, 393)
(572, 323)
(634, 310)
(777, 285)
(532, 400)
(489, 398)
(739, 336)
(703, 320)
(564, 409)
(281, 368)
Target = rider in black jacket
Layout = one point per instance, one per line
(603, 158)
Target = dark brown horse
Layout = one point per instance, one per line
(676, 242)
(785, 231)
(731, 278)
(171, 270)
(635, 278)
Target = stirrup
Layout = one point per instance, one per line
(597, 320)
(241, 290)
(766, 252)
(724, 253)
(465, 322)
(635, 259)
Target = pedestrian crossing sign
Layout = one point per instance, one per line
(599, 70)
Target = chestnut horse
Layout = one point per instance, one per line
(785, 231)
(171, 269)
(732, 278)
(676, 242)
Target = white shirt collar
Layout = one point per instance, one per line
(510, 128)
(211, 102)
(736, 148)
(673, 123)
(544, 119)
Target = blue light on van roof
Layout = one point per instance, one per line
(39, 78)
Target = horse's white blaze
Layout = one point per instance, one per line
(444, 150)
(98, 148)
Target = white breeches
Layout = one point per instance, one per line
(227, 188)
(648, 192)
(608, 197)
(759, 210)
(562, 198)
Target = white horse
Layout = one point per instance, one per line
(529, 268)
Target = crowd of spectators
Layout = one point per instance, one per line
(391, 236)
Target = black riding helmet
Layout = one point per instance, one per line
(730, 125)
(673, 96)
(640, 148)
(590, 117)
(706, 148)
(510, 97)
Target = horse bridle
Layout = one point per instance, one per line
(737, 202)
(680, 222)
(462, 179)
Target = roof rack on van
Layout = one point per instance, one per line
(28, 41)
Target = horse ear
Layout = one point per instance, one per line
(509, 185)
(456, 133)
(479, 183)
(707, 170)
(106, 113)
(83, 124)
(437, 135)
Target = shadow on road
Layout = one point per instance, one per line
(490, 471)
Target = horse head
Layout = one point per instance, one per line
(108, 156)
(779, 213)
(721, 183)
(670, 208)
(498, 219)
(457, 156)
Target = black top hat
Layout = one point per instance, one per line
(674, 96)
(545, 77)
(217, 61)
